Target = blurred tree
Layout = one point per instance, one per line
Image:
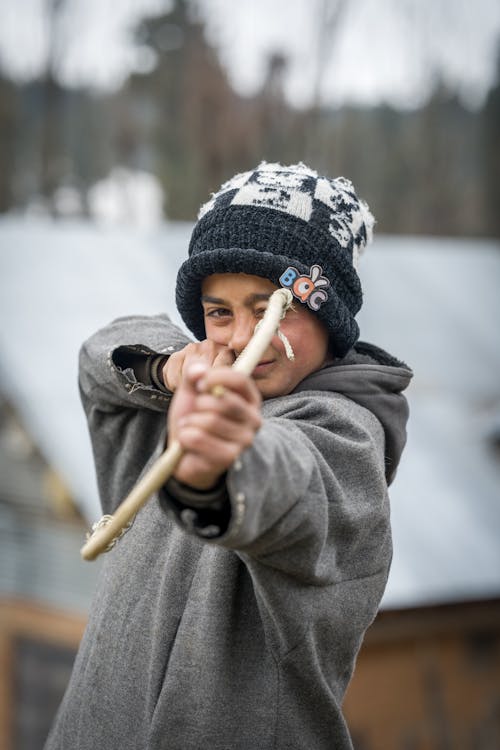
(63, 138)
(279, 137)
(199, 131)
(274, 109)
(328, 20)
(430, 170)
(89, 146)
(182, 109)
(447, 167)
(491, 156)
(419, 169)
(9, 103)
(52, 161)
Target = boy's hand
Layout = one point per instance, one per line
(206, 351)
(213, 430)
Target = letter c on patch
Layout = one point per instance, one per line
(316, 299)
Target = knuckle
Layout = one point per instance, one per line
(211, 422)
(190, 437)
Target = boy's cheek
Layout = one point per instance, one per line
(215, 334)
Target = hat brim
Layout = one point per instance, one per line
(338, 319)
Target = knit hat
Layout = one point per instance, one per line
(291, 226)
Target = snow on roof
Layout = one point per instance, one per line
(432, 302)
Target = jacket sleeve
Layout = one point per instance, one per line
(124, 406)
(309, 497)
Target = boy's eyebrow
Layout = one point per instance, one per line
(257, 297)
(213, 300)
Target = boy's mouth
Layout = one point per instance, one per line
(263, 367)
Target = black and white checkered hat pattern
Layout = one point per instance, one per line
(289, 225)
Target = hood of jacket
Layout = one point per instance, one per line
(375, 380)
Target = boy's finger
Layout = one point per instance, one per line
(195, 369)
(229, 404)
(231, 380)
(224, 358)
(226, 428)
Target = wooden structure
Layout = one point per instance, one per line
(429, 679)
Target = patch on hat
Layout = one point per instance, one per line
(312, 289)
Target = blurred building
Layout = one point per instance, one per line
(44, 594)
(428, 675)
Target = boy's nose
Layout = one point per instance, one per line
(241, 333)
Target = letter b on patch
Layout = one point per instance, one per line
(288, 277)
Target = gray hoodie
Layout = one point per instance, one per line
(235, 629)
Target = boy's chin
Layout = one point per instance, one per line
(270, 389)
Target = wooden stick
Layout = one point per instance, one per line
(110, 528)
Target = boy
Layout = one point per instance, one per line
(230, 614)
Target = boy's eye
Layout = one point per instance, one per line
(217, 312)
(260, 311)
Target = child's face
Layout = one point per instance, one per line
(233, 303)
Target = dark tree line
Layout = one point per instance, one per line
(434, 170)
